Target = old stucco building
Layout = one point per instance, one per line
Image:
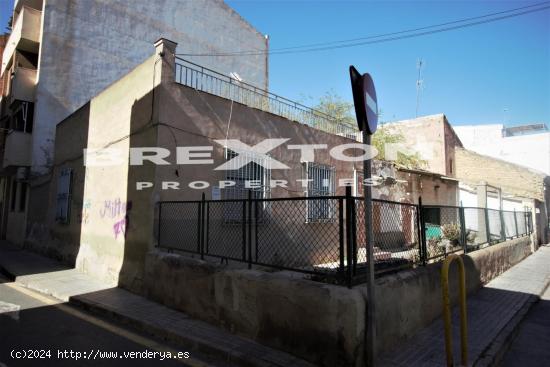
(62, 53)
(97, 218)
(433, 138)
(108, 227)
(505, 185)
(485, 181)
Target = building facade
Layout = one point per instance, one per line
(103, 218)
(499, 184)
(526, 145)
(489, 179)
(62, 53)
(433, 138)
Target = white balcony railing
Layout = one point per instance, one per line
(25, 34)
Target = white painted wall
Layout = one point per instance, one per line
(469, 199)
(531, 150)
(87, 45)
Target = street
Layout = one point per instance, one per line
(56, 334)
(531, 347)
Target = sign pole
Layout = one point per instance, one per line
(366, 111)
(370, 326)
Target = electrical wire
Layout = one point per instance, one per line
(410, 33)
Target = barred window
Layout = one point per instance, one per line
(256, 172)
(321, 182)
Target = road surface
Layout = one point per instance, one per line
(37, 330)
(531, 347)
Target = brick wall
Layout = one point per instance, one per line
(472, 168)
(3, 41)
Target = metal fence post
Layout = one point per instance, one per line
(244, 230)
(206, 245)
(354, 235)
(256, 229)
(250, 229)
(516, 223)
(422, 234)
(463, 235)
(201, 225)
(158, 224)
(487, 226)
(502, 225)
(341, 235)
(349, 237)
(526, 220)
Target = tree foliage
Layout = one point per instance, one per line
(343, 111)
(335, 106)
(384, 136)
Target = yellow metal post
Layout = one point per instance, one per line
(447, 309)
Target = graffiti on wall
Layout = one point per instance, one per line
(84, 216)
(117, 210)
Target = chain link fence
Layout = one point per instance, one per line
(325, 235)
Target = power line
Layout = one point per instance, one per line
(408, 30)
(398, 35)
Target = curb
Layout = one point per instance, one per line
(8, 274)
(205, 347)
(493, 354)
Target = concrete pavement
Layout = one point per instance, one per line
(43, 331)
(494, 313)
(49, 277)
(45, 275)
(531, 347)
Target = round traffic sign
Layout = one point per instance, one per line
(371, 104)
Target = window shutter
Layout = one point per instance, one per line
(63, 195)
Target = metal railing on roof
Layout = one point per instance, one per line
(210, 81)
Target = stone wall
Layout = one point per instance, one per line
(410, 300)
(319, 322)
(472, 168)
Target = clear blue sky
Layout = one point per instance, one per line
(470, 74)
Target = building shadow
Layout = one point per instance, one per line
(57, 210)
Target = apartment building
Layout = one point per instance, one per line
(62, 53)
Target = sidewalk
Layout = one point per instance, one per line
(531, 347)
(47, 276)
(494, 313)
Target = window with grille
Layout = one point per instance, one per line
(321, 182)
(256, 172)
(63, 196)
